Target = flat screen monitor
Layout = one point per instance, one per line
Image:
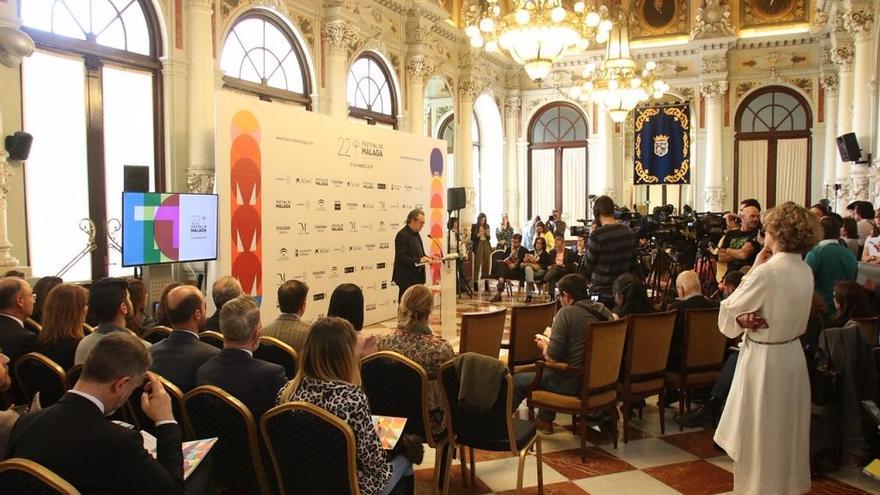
(168, 228)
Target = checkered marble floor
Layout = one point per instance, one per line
(685, 462)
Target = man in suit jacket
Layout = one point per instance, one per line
(511, 266)
(689, 297)
(563, 261)
(252, 381)
(178, 357)
(289, 326)
(75, 440)
(224, 289)
(16, 305)
(409, 250)
(110, 302)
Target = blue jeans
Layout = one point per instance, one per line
(400, 467)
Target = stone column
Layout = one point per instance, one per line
(842, 55)
(605, 153)
(338, 35)
(418, 70)
(468, 89)
(714, 93)
(829, 81)
(200, 96)
(512, 106)
(859, 22)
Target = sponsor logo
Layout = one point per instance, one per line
(381, 227)
(406, 188)
(381, 205)
(319, 274)
(352, 205)
(368, 226)
(339, 249)
(303, 228)
(384, 284)
(384, 245)
(380, 266)
(337, 205)
(336, 182)
(370, 286)
(320, 227)
(406, 206)
(303, 252)
(303, 180)
(354, 247)
(318, 297)
(352, 183)
(369, 185)
(303, 204)
(300, 276)
(322, 205)
(282, 203)
(395, 187)
(381, 185)
(282, 229)
(283, 255)
(334, 271)
(285, 179)
(371, 307)
(337, 227)
(370, 247)
(352, 227)
(280, 278)
(366, 267)
(369, 206)
(321, 182)
(394, 206)
(322, 250)
(419, 188)
(394, 225)
(385, 303)
(349, 269)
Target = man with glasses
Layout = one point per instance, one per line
(16, 305)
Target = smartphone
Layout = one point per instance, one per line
(595, 297)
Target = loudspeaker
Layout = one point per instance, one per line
(19, 145)
(455, 198)
(848, 146)
(136, 178)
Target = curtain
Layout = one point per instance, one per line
(791, 170)
(574, 188)
(543, 182)
(753, 170)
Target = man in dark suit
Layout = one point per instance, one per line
(690, 296)
(75, 440)
(224, 289)
(252, 381)
(16, 305)
(408, 251)
(510, 268)
(563, 261)
(178, 357)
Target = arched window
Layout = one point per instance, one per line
(557, 168)
(92, 99)
(262, 56)
(773, 147)
(371, 93)
(446, 131)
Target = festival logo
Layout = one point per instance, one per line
(349, 269)
(321, 182)
(282, 204)
(318, 297)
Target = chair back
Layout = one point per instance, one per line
(648, 339)
(870, 328)
(210, 411)
(482, 332)
(141, 420)
(33, 325)
(525, 322)
(603, 353)
(26, 476)
(156, 334)
(276, 351)
(704, 343)
(35, 372)
(466, 427)
(73, 375)
(398, 386)
(312, 450)
(88, 329)
(213, 338)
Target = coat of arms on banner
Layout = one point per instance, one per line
(662, 145)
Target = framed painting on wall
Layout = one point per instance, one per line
(758, 13)
(657, 18)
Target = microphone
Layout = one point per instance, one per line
(436, 244)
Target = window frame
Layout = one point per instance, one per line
(370, 116)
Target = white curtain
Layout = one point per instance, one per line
(574, 189)
(543, 182)
(791, 170)
(753, 170)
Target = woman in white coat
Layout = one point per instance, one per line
(765, 426)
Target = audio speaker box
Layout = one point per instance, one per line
(136, 178)
(455, 198)
(848, 146)
(19, 145)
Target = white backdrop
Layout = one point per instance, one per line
(310, 197)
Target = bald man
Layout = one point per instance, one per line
(690, 296)
(179, 356)
(16, 305)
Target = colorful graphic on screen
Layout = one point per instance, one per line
(168, 228)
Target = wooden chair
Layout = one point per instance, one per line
(525, 322)
(312, 450)
(156, 334)
(210, 411)
(398, 386)
(27, 477)
(648, 338)
(870, 328)
(482, 332)
(73, 375)
(33, 325)
(603, 352)
(213, 338)
(276, 351)
(88, 329)
(494, 430)
(702, 355)
(141, 421)
(35, 372)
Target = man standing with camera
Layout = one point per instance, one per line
(611, 251)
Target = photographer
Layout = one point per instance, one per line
(611, 250)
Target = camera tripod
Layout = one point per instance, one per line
(664, 270)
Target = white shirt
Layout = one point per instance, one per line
(94, 400)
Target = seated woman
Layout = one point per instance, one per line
(41, 290)
(850, 301)
(535, 265)
(630, 296)
(137, 320)
(63, 317)
(415, 340)
(347, 302)
(329, 378)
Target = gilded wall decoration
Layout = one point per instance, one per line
(743, 88)
(655, 18)
(755, 13)
(306, 28)
(805, 84)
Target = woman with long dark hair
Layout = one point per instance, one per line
(630, 296)
(63, 317)
(41, 291)
(481, 246)
(850, 301)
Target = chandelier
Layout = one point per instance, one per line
(616, 84)
(537, 32)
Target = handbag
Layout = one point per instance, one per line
(824, 378)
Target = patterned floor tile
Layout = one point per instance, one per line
(722, 461)
(627, 483)
(565, 488)
(562, 439)
(500, 475)
(423, 482)
(827, 486)
(698, 443)
(649, 452)
(598, 463)
(694, 478)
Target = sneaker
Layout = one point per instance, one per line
(497, 297)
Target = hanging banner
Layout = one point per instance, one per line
(662, 145)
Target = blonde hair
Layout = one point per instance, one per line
(795, 229)
(329, 352)
(415, 306)
(64, 313)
